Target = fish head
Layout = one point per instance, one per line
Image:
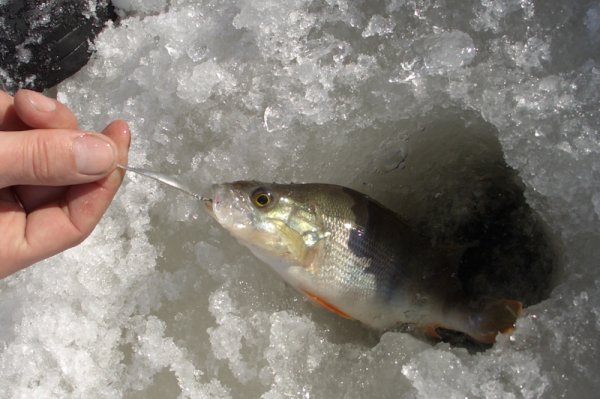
(272, 220)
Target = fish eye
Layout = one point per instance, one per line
(261, 198)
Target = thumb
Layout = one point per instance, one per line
(56, 157)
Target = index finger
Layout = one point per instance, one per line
(41, 112)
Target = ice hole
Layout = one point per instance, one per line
(450, 180)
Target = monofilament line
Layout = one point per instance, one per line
(168, 180)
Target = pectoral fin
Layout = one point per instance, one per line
(296, 248)
(325, 304)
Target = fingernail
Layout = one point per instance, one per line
(40, 102)
(93, 156)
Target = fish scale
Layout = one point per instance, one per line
(367, 264)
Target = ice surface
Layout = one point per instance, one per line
(416, 102)
(139, 7)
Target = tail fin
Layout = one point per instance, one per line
(496, 317)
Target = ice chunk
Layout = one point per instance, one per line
(197, 86)
(439, 373)
(294, 345)
(531, 54)
(592, 20)
(232, 333)
(379, 25)
(494, 15)
(447, 51)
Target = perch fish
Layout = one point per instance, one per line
(351, 255)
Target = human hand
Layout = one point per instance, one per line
(56, 181)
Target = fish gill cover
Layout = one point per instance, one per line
(476, 119)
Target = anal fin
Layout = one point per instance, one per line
(430, 330)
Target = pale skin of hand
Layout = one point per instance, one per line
(56, 181)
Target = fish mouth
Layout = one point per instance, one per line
(208, 205)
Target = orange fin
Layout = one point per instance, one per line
(430, 330)
(498, 317)
(325, 305)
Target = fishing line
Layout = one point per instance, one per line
(168, 180)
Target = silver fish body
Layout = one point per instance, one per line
(355, 257)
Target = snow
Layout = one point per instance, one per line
(425, 101)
